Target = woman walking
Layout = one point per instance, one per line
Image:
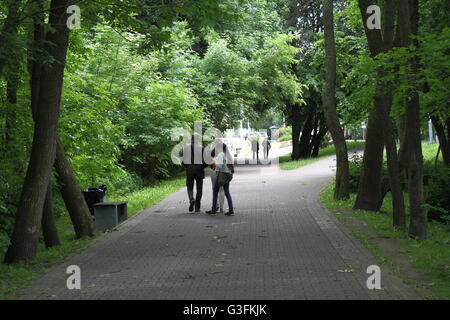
(224, 173)
(214, 179)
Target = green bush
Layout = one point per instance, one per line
(355, 167)
(286, 137)
(282, 132)
(437, 192)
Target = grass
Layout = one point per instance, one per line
(286, 163)
(430, 257)
(145, 198)
(15, 277)
(429, 152)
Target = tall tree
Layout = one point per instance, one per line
(25, 235)
(342, 187)
(49, 230)
(409, 26)
(382, 43)
(69, 186)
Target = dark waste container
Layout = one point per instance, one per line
(94, 195)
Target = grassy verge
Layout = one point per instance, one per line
(145, 198)
(286, 163)
(424, 265)
(17, 276)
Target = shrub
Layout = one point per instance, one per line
(355, 167)
(6, 225)
(285, 137)
(437, 192)
(284, 131)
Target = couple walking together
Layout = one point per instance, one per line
(222, 165)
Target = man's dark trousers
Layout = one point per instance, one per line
(195, 173)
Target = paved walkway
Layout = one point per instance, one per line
(281, 244)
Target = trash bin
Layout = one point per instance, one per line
(93, 196)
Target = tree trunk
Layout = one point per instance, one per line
(70, 189)
(25, 235)
(342, 188)
(409, 25)
(49, 231)
(296, 121)
(383, 101)
(71, 193)
(403, 150)
(317, 140)
(314, 135)
(444, 140)
(305, 139)
(418, 223)
(369, 195)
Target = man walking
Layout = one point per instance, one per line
(266, 147)
(195, 171)
(255, 148)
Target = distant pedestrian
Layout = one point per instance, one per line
(266, 148)
(195, 171)
(224, 170)
(255, 148)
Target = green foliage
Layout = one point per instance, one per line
(436, 191)
(285, 137)
(246, 79)
(284, 134)
(146, 197)
(355, 167)
(147, 145)
(436, 71)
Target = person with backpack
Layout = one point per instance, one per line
(212, 150)
(255, 148)
(266, 146)
(224, 170)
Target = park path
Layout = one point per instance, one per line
(281, 244)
